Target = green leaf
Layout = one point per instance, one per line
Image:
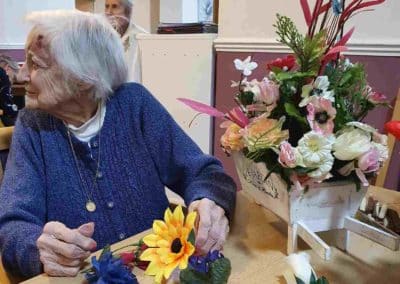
(313, 278)
(246, 98)
(106, 249)
(299, 281)
(192, 237)
(220, 271)
(294, 75)
(322, 280)
(189, 276)
(293, 111)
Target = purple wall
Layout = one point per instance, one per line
(17, 54)
(383, 75)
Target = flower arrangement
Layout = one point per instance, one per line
(169, 247)
(304, 118)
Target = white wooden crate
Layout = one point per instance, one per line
(324, 207)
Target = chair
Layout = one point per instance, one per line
(5, 142)
(380, 180)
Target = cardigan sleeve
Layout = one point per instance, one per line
(182, 166)
(22, 203)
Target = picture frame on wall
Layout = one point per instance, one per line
(208, 11)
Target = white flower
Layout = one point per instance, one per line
(351, 143)
(246, 66)
(316, 152)
(362, 126)
(252, 86)
(383, 151)
(318, 88)
(300, 265)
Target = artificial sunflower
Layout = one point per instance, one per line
(169, 245)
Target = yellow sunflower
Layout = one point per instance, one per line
(169, 246)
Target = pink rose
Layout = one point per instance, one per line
(376, 98)
(269, 92)
(287, 155)
(369, 161)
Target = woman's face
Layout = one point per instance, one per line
(114, 8)
(43, 79)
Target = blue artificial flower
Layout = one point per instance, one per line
(202, 263)
(109, 270)
(337, 7)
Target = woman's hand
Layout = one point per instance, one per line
(213, 226)
(63, 250)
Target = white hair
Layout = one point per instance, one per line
(128, 4)
(86, 48)
(7, 60)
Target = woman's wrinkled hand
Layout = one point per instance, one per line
(63, 250)
(213, 226)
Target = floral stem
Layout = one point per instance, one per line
(127, 246)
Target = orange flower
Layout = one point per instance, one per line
(232, 138)
(169, 246)
(263, 133)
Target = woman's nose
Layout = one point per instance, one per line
(23, 74)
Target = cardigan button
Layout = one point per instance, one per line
(110, 205)
(95, 144)
(121, 236)
(99, 175)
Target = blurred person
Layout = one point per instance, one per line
(8, 75)
(119, 14)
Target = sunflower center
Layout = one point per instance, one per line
(321, 117)
(176, 245)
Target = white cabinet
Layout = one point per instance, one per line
(175, 66)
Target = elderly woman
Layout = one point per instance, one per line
(90, 155)
(119, 14)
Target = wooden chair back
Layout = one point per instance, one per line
(380, 180)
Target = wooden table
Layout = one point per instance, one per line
(257, 246)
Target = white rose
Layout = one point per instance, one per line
(351, 143)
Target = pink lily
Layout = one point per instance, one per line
(235, 115)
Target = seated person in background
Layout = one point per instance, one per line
(91, 154)
(119, 14)
(8, 72)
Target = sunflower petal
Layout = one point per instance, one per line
(169, 268)
(178, 216)
(151, 240)
(163, 244)
(150, 254)
(152, 269)
(168, 216)
(159, 226)
(190, 219)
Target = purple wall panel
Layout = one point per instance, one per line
(17, 54)
(383, 75)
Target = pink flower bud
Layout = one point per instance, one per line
(287, 155)
(369, 161)
(376, 98)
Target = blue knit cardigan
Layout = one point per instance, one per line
(141, 150)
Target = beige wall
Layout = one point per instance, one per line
(251, 22)
(14, 28)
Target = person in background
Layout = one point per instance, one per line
(119, 14)
(91, 154)
(8, 74)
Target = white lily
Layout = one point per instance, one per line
(318, 88)
(246, 66)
